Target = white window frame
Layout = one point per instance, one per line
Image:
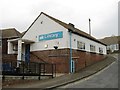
(80, 45)
(100, 50)
(92, 48)
(15, 47)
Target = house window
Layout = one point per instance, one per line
(81, 45)
(100, 50)
(15, 47)
(92, 48)
(108, 47)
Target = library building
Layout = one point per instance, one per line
(52, 41)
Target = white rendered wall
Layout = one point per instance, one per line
(113, 47)
(87, 42)
(10, 48)
(47, 26)
(50, 26)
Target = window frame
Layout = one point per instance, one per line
(92, 47)
(80, 45)
(100, 50)
(15, 47)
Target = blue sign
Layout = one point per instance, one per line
(50, 36)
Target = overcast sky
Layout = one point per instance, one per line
(20, 14)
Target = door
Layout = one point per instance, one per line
(27, 53)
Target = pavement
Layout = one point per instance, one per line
(67, 78)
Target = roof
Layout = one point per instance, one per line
(69, 27)
(111, 40)
(23, 33)
(10, 33)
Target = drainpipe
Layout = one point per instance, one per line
(70, 52)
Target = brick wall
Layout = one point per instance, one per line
(9, 57)
(4, 46)
(58, 57)
(61, 57)
(85, 59)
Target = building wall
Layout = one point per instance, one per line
(47, 26)
(113, 47)
(4, 46)
(61, 58)
(87, 42)
(5, 55)
(44, 25)
(85, 59)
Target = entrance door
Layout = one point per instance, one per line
(27, 53)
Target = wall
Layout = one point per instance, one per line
(87, 42)
(4, 46)
(5, 56)
(85, 59)
(47, 26)
(61, 58)
(9, 57)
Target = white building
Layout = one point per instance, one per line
(46, 33)
(113, 43)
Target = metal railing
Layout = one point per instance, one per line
(21, 68)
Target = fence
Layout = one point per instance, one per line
(21, 68)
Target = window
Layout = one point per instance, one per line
(92, 48)
(100, 50)
(108, 47)
(80, 45)
(15, 47)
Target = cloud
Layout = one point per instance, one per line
(21, 13)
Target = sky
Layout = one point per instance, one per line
(20, 14)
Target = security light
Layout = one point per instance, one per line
(56, 47)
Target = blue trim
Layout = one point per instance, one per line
(50, 36)
(70, 52)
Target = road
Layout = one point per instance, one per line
(107, 78)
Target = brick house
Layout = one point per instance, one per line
(7, 34)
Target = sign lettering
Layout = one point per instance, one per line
(50, 36)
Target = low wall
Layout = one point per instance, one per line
(9, 57)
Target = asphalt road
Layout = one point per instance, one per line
(107, 78)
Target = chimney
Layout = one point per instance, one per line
(89, 26)
(72, 25)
